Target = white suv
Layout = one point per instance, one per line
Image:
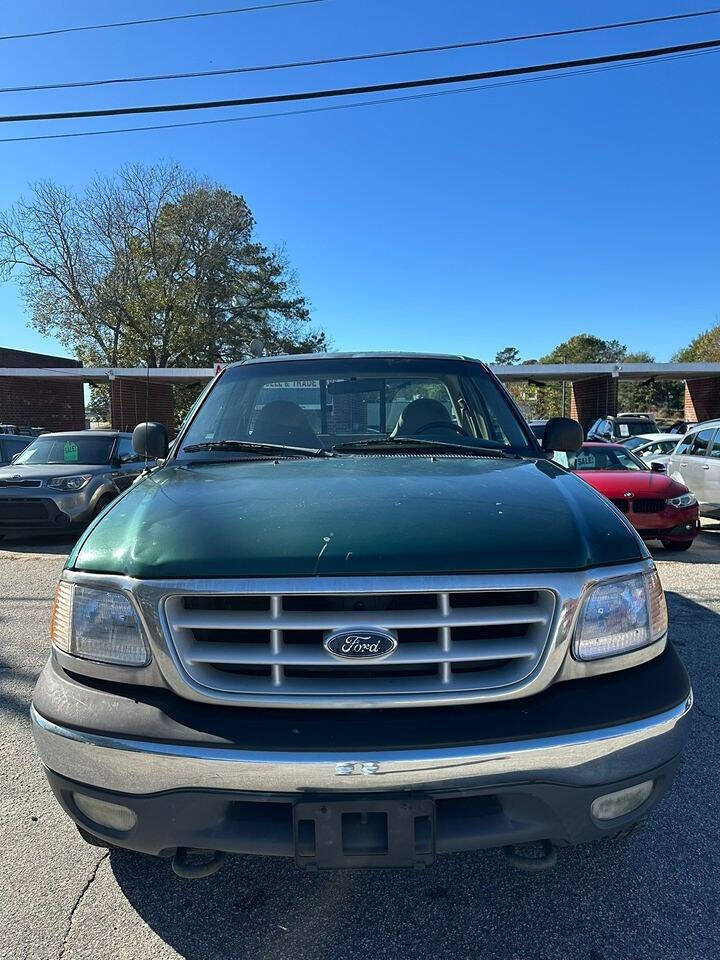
(696, 463)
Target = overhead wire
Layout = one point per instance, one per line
(350, 106)
(151, 20)
(357, 58)
(364, 89)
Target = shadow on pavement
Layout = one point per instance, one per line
(47, 544)
(603, 901)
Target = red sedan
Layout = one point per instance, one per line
(658, 507)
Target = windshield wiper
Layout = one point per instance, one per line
(388, 442)
(256, 447)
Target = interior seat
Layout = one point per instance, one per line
(418, 414)
(282, 421)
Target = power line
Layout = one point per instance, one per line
(351, 106)
(366, 88)
(355, 58)
(180, 16)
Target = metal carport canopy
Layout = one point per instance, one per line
(548, 372)
(545, 372)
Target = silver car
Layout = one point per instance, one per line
(696, 463)
(63, 480)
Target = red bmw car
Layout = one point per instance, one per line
(658, 507)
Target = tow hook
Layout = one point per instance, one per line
(539, 856)
(192, 864)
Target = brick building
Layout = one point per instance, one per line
(51, 404)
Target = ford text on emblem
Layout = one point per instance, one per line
(360, 644)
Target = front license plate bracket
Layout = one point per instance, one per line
(337, 834)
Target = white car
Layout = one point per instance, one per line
(696, 463)
(653, 447)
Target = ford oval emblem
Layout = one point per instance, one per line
(360, 644)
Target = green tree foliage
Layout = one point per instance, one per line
(705, 348)
(509, 355)
(153, 265)
(664, 397)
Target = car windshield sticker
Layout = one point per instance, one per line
(583, 460)
(624, 430)
(70, 452)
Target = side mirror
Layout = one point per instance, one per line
(563, 434)
(150, 440)
(658, 467)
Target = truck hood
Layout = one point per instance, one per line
(356, 515)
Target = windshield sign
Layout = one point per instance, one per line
(79, 449)
(325, 404)
(599, 458)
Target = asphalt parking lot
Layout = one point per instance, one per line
(656, 895)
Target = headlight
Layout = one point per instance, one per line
(684, 500)
(70, 483)
(621, 615)
(97, 624)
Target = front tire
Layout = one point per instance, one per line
(675, 546)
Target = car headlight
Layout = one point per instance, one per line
(684, 500)
(621, 615)
(97, 624)
(70, 483)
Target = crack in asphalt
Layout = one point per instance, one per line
(78, 901)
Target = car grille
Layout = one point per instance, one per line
(448, 642)
(648, 506)
(17, 509)
(640, 505)
(20, 483)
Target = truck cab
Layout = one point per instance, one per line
(358, 617)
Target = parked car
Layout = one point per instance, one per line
(358, 617)
(11, 444)
(652, 447)
(657, 506)
(63, 480)
(696, 463)
(616, 429)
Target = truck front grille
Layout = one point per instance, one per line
(448, 642)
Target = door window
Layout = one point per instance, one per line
(125, 447)
(701, 443)
(715, 449)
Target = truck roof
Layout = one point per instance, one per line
(377, 355)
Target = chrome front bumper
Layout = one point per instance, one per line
(134, 766)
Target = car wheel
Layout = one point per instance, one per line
(104, 500)
(677, 545)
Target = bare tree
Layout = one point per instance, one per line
(151, 265)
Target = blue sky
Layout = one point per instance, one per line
(518, 215)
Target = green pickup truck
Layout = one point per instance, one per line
(358, 617)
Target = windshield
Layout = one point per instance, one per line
(320, 404)
(602, 457)
(634, 442)
(68, 450)
(635, 427)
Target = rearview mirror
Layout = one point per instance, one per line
(658, 467)
(150, 440)
(563, 434)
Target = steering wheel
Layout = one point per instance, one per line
(440, 425)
